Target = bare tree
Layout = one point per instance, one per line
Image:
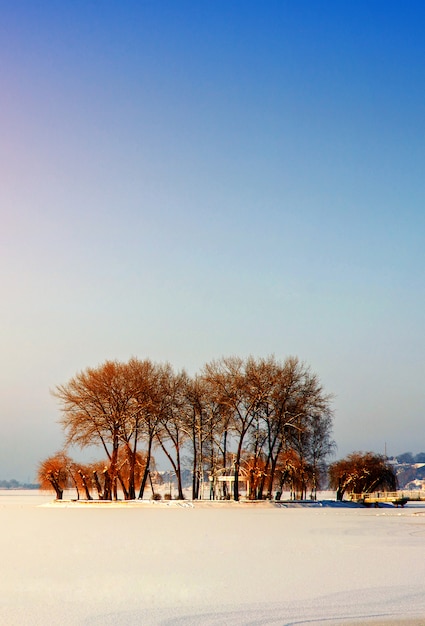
(279, 411)
(294, 414)
(197, 431)
(311, 435)
(214, 433)
(142, 421)
(237, 388)
(172, 432)
(320, 446)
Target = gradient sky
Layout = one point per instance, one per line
(186, 180)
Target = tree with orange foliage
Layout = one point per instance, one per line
(270, 407)
(146, 408)
(294, 473)
(173, 428)
(83, 479)
(132, 467)
(53, 474)
(254, 467)
(114, 405)
(361, 472)
(95, 404)
(237, 386)
(260, 406)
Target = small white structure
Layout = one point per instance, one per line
(222, 483)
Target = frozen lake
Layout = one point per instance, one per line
(223, 563)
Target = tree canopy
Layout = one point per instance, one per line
(237, 415)
(361, 472)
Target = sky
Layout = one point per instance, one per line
(182, 181)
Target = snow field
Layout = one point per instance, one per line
(225, 564)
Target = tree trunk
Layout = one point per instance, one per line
(237, 468)
(176, 464)
(273, 460)
(147, 469)
(176, 467)
(236, 483)
(271, 477)
(85, 485)
(225, 449)
(123, 487)
(75, 485)
(107, 491)
(151, 483)
(263, 478)
(341, 489)
(131, 480)
(100, 492)
(179, 482)
(55, 485)
(195, 482)
(112, 473)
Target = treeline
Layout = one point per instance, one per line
(15, 484)
(410, 459)
(261, 420)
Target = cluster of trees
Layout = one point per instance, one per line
(409, 459)
(60, 472)
(266, 420)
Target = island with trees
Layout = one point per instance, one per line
(255, 426)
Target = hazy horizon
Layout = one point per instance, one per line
(183, 181)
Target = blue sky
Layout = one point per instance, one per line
(187, 180)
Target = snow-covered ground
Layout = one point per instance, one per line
(214, 564)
